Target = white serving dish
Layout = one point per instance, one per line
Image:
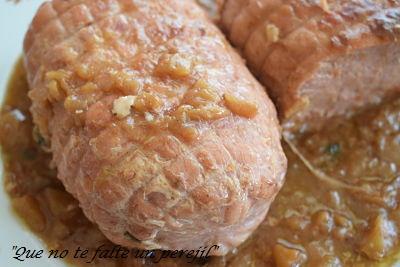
(14, 21)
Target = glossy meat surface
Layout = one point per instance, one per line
(155, 124)
(319, 59)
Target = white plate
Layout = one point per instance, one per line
(14, 21)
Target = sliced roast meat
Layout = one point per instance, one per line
(321, 59)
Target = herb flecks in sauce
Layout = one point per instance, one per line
(333, 149)
(312, 222)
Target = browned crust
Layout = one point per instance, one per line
(319, 32)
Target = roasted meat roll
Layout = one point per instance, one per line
(154, 122)
(318, 59)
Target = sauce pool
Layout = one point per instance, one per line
(338, 207)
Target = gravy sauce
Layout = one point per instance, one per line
(338, 207)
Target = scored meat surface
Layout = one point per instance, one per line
(155, 124)
(318, 59)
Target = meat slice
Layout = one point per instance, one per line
(154, 122)
(320, 59)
